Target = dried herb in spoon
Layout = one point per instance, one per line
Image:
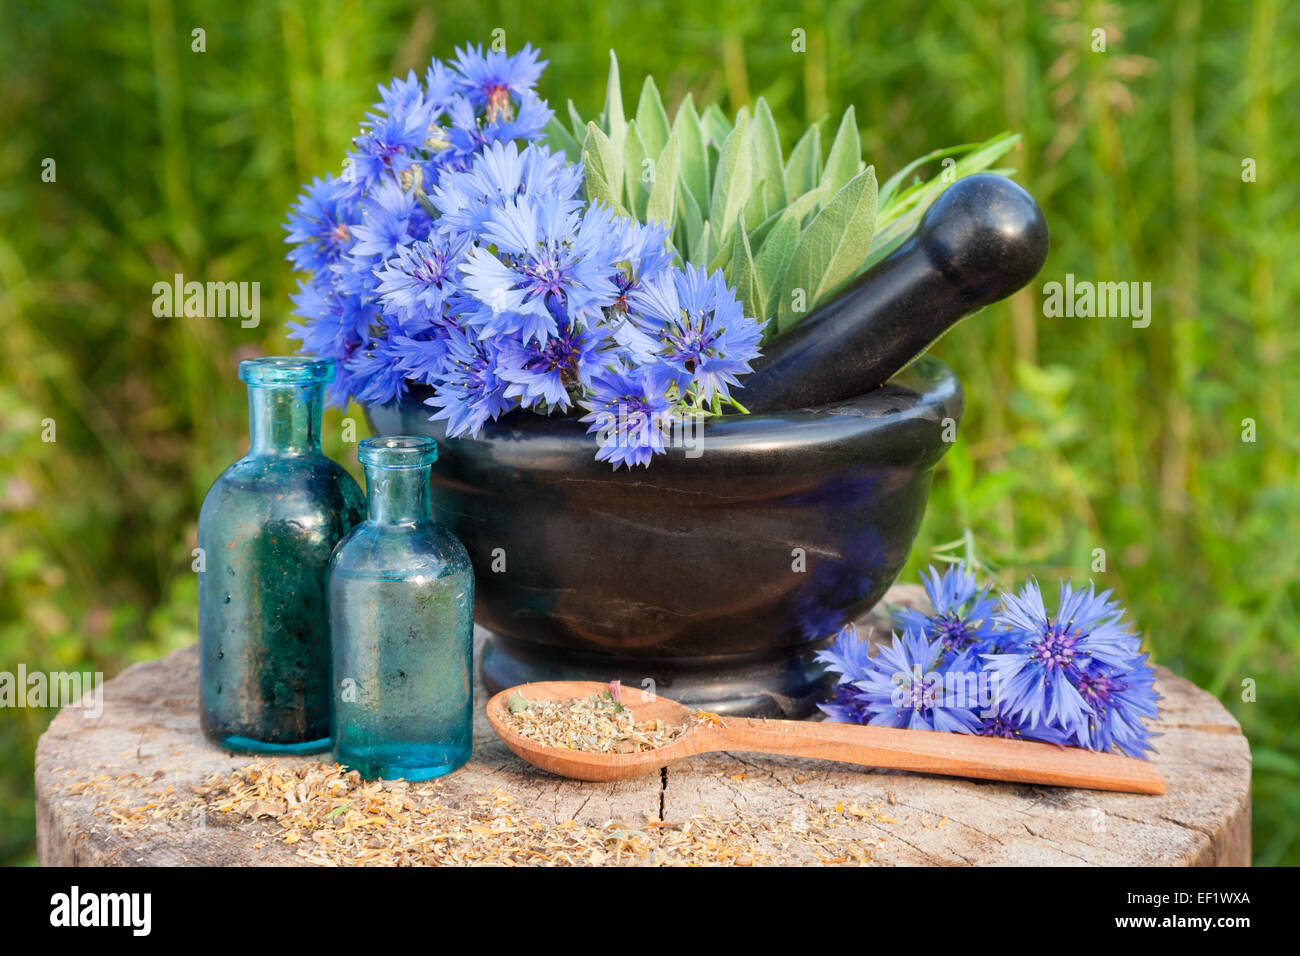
(596, 724)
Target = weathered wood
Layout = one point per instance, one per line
(148, 737)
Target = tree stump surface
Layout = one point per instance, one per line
(100, 782)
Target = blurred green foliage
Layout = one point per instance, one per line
(1080, 433)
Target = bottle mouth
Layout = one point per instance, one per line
(286, 370)
(398, 451)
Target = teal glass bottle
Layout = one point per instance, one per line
(267, 529)
(401, 599)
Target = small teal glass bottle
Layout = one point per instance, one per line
(267, 529)
(401, 599)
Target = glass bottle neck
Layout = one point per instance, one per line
(398, 495)
(284, 419)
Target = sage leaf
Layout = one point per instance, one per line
(715, 125)
(604, 170)
(755, 209)
(694, 162)
(797, 211)
(845, 159)
(651, 119)
(773, 260)
(662, 203)
(707, 249)
(578, 124)
(613, 120)
(832, 248)
(741, 275)
(690, 226)
(637, 168)
(767, 157)
(722, 253)
(803, 170)
(731, 187)
(560, 140)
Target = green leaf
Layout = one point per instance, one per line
(651, 118)
(707, 250)
(722, 252)
(760, 232)
(845, 159)
(690, 225)
(777, 250)
(803, 170)
(604, 170)
(662, 204)
(578, 124)
(773, 260)
(597, 189)
(518, 703)
(561, 140)
(797, 210)
(613, 121)
(715, 125)
(694, 163)
(831, 249)
(731, 188)
(637, 168)
(767, 157)
(896, 201)
(741, 275)
(755, 208)
(903, 208)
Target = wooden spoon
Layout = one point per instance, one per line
(920, 751)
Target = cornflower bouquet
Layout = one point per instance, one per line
(1002, 668)
(454, 251)
(622, 267)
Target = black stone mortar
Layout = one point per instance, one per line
(715, 575)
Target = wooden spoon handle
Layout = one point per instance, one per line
(927, 751)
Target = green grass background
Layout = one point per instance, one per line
(1080, 433)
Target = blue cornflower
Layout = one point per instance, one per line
(642, 250)
(401, 97)
(489, 80)
(1002, 723)
(1050, 661)
(441, 84)
(318, 226)
(420, 279)
(390, 219)
(470, 392)
(452, 254)
(550, 265)
(1119, 698)
(629, 414)
(423, 357)
(547, 371)
(702, 331)
(847, 656)
(468, 134)
(466, 198)
(375, 371)
(390, 138)
(337, 323)
(963, 614)
(904, 685)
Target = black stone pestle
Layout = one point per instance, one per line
(980, 241)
